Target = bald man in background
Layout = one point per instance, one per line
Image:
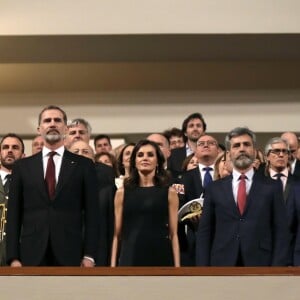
(292, 140)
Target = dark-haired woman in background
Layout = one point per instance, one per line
(146, 213)
(106, 207)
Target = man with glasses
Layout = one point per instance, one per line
(277, 154)
(243, 221)
(196, 181)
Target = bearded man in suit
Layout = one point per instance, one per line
(52, 210)
(244, 221)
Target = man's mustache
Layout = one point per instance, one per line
(52, 130)
(243, 155)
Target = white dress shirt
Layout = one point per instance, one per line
(236, 179)
(56, 158)
(283, 178)
(202, 172)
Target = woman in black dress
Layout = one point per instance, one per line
(146, 209)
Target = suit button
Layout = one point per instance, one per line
(242, 220)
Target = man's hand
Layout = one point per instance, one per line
(15, 263)
(87, 263)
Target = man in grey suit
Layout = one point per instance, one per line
(52, 210)
(244, 221)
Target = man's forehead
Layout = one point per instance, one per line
(102, 141)
(11, 141)
(195, 120)
(244, 137)
(52, 113)
(77, 126)
(280, 144)
(207, 138)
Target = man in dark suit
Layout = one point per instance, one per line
(11, 149)
(277, 153)
(207, 151)
(193, 127)
(52, 215)
(244, 221)
(292, 140)
(194, 183)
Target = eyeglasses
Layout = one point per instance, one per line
(278, 151)
(208, 143)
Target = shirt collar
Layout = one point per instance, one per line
(203, 166)
(236, 174)
(188, 149)
(285, 172)
(59, 151)
(3, 174)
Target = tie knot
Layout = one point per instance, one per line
(52, 153)
(207, 169)
(278, 176)
(243, 177)
(8, 177)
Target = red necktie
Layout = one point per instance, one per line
(241, 194)
(50, 175)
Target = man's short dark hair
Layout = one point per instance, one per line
(100, 137)
(191, 117)
(238, 131)
(51, 107)
(173, 132)
(13, 135)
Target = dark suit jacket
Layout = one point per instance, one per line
(260, 236)
(105, 175)
(3, 214)
(175, 161)
(192, 190)
(297, 169)
(294, 207)
(192, 184)
(69, 221)
(106, 225)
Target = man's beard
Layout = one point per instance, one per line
(7, 165)
(243, 161)
(53, 138)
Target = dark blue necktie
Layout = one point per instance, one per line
(207, 177)
(278, 178)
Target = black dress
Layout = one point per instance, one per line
(145, 233)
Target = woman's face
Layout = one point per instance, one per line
(126, 156)
(193, 163)
(146, 159)
(105, 160)
(225, 168)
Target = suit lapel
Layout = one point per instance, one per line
(67, 167)
(228, 195)
(198, 181)
(288, 186)
(38, 173)
(2, 192)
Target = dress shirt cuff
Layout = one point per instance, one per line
(89, 258)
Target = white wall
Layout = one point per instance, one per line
(143, 16)
(139, 112)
